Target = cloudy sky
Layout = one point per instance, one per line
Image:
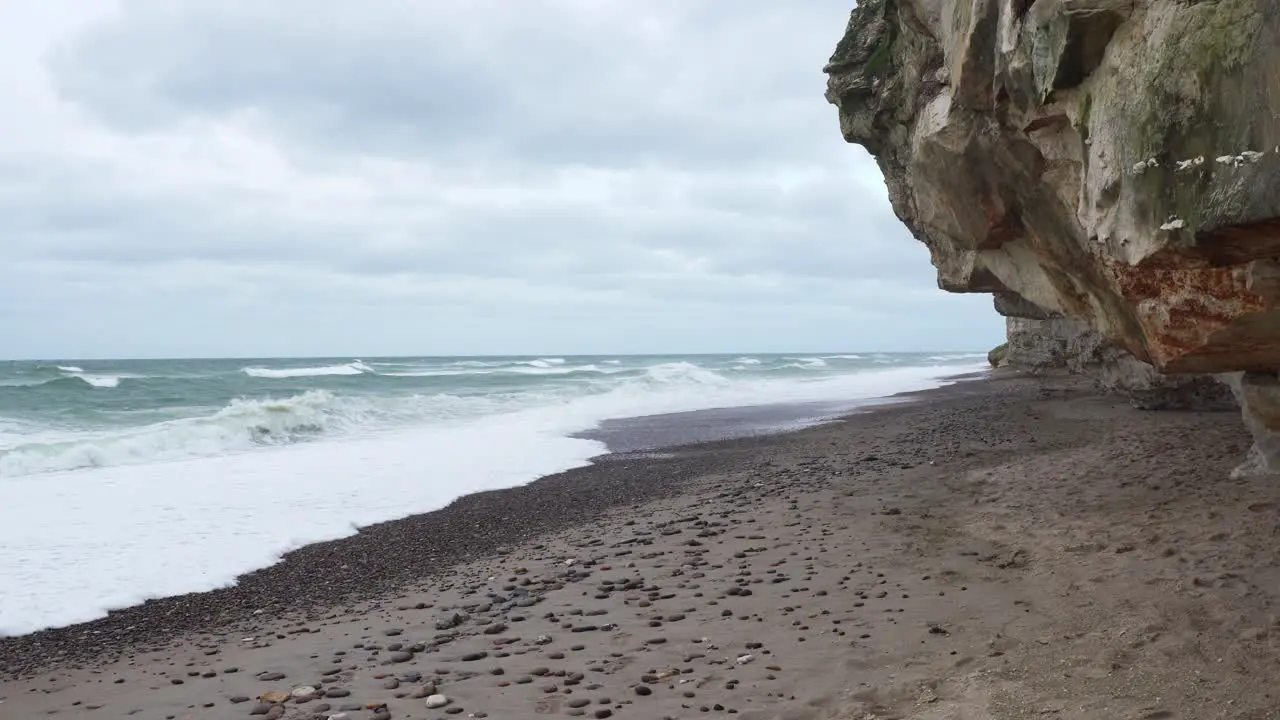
(326, 177)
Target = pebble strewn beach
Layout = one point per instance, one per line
(1007, 548)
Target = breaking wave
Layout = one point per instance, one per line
(352, 368)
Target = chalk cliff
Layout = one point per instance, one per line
(1113, 163)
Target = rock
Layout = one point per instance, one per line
(400, 656)
(450, 621)
(437, 701)
(237, 699)
(303, 691)
(996, 357)
(337, 693)
(274, 696)
(261, 708)
(1112, 179)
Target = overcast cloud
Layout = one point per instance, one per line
(324, 177)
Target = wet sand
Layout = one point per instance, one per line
(1011, 548)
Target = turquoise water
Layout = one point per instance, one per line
(64, 415)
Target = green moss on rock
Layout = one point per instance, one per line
(997, 354)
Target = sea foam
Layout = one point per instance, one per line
(351, 368)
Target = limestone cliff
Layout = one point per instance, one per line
(1112, 161)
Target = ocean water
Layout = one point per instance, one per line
(133, 479)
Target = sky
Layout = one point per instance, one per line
(236, 178)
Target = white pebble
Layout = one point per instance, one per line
(304, 691)
(437, 701)
(744, 659)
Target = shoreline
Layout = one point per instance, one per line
(122, 535)
(610, 480)
(1014, 549)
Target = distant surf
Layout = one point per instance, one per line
(168, 477)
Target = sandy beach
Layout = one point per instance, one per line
(1003, 548)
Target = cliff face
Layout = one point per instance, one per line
(1068, 343)
(1112, 161)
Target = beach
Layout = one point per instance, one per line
(1010, 547)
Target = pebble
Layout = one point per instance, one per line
(437, 701)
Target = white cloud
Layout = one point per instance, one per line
(559, 175)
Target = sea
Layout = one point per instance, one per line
(123, 480)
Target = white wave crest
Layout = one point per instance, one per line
(841, 357)
(241, 425)
(352, 368)
(92, 380)
(543, 362)
(808, 363)
(683, 373)
(99, 381)
(747, 361)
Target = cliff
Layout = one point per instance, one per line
(1111, 162)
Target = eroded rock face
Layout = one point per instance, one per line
(1072, 345)
(1259, 398)
(1112, 161)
